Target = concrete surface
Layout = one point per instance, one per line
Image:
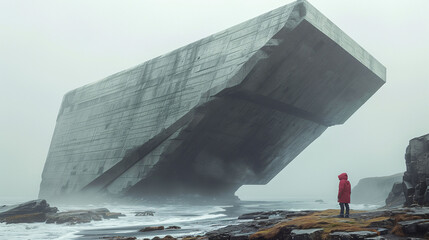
(230, 109)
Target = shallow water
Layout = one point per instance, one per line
(193, 219)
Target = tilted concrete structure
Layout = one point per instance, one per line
(231, 109)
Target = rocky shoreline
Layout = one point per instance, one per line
(401, 223)
(397, 223)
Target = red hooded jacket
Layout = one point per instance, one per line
(344, 190)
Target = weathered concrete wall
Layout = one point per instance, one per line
(234, 108)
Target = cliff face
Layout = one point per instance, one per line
(374, 190)
(416, 178)
(415, 184)
(231, 109)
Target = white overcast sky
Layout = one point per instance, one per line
(52, 46)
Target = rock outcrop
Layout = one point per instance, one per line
(396, 196)
(400, 223)
(31, 211)
(149, 229)
(415, 184)
(374, 190)
(40, 211)
(81, 216)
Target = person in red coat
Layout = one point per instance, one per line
(344, 192)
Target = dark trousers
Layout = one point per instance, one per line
(342, 209)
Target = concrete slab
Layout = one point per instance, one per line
(254, 96)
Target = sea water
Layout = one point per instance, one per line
(192, 219)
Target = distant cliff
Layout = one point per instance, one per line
(374, 190)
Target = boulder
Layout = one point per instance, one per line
(30, 207)
(145, 213)
(28, 212)
(74, 217)
(81, 216)
(148, 229)
(40, 211)
(112, 215)
(173, 228)
(168, 237)
(414, 226)
(25, 218)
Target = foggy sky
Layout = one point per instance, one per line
(48, 48)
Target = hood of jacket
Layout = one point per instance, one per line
(343, 176)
